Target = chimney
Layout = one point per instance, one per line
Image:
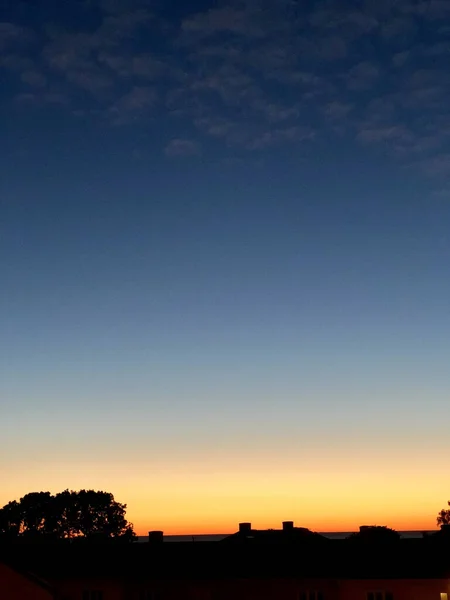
(155, 537)
(245, 528)
(288, 525)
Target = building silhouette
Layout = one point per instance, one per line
(290, 563)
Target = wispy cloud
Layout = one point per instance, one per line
(181, 147)
(437, 165)
(34, 79)
(400, 29)
(362, 76)
(395, 133)
(135, 104)
(337, 110)
(228, 19)
(14, 35)
(278, 136)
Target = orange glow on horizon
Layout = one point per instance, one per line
(325, 492)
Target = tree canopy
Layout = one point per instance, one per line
(84, 514)
(443, 517)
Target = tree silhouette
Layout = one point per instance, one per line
(37, 515)
(86, 514)
(443, 517)
(10, 520)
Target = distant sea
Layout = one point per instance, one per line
(216, 537)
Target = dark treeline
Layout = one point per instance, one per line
(86, 514)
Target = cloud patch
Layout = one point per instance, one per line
(251, 74)
(136, 104)
(226, 19)
(34, 79)
(182, 147)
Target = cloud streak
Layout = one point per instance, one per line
(180, 147)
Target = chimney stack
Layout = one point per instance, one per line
(245, 528)
(155, 537)
(288, 525)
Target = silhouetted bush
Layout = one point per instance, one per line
(375, 534)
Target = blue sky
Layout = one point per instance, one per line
(216, 214)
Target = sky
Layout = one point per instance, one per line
(225, 259)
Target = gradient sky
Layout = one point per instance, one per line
(225, 259)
